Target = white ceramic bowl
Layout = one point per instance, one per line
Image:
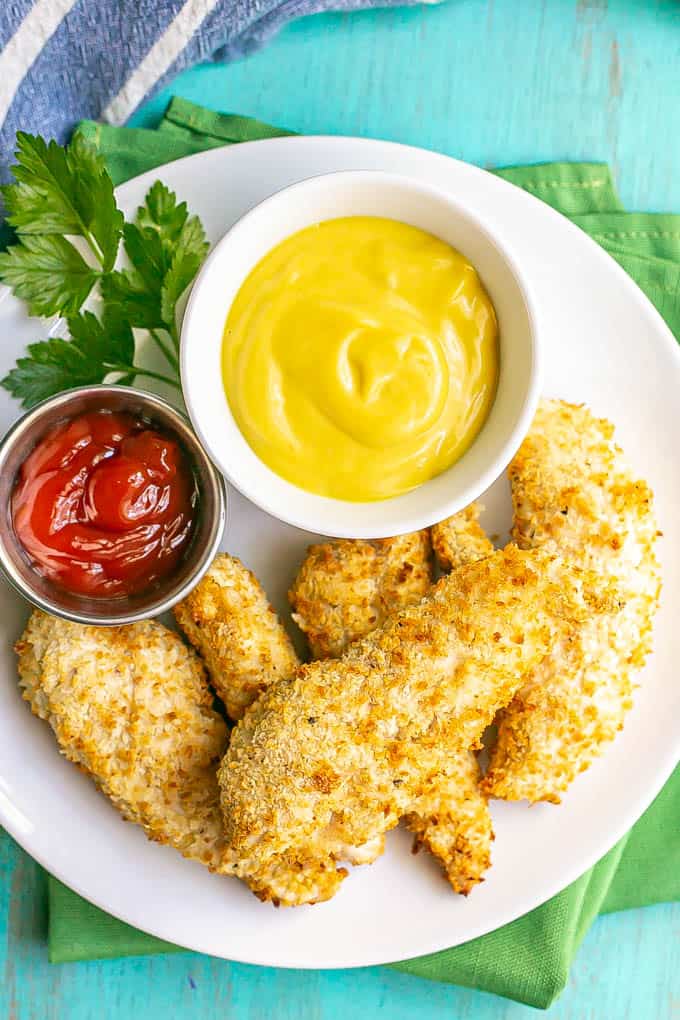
(360, 193)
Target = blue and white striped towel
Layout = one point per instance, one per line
(63, 60)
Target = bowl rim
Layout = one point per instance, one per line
(345, 510)
(197, 454)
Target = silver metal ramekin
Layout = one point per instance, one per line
(211, 507)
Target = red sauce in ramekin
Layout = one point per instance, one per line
(105, 504)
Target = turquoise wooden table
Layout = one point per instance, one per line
(493, 82)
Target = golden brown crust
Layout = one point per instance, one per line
(460, 539)
(345, 589)
(132, 708)
(323, 764)
(228, 618)
(451, 818)
(342, 592)
(574, 493)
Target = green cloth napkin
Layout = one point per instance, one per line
(527, 960)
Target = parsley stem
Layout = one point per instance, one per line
(91, 240)
(134, 370)
(165, 348)
(175, 335)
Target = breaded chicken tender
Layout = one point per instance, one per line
(452, 818)
(460, 539)
(345, 589)
(574, 493)
(229, 620)
(132, 708)
(323, 764)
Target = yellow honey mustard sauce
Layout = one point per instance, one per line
(360, 357)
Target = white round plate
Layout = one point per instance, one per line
(605, 345)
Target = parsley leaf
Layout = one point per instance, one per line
(48, 368)
(109, 342)
(64, 191)
(166, 247)
(162, 213)
(48, 274)
(94, 351)
(186, 261)
(127, 292)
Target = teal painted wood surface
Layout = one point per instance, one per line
(494, 82)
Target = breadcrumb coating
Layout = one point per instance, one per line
(323, 764)
(229, 620)
(460, 539)
(451, 819)
(338, 587)
(573, 492)
(345, 589)
(132, 708)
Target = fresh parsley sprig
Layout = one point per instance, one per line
(63, 208)
(166, 246)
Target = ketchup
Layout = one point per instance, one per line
(104, 505)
